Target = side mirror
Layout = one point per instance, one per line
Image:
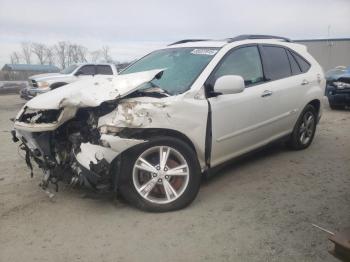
(229, 84)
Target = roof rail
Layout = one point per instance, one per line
(247, 37)
(187, 40)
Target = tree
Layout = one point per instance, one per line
(15, 58)
(106, 54)
(61, 51)
(95, 56)
(50, 55)
(76, 54)
(39, 50)
(26, 52)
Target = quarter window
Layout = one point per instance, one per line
(276, 63)
(244, 62)
(293, 64)
(104, 70)
(304, 66)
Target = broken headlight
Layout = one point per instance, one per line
(109, 129)
(31, 116)
(341, 85)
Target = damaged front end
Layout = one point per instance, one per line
(75, 152)
(59, 131)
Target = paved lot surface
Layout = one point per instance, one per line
(256, 209)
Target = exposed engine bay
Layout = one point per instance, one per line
(55, 151)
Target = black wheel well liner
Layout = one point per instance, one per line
(316, 104)
(58, 84)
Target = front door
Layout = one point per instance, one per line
(241, 122)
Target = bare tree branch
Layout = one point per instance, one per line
(39, 50)
(15, 58)
(50, 55)
(27, 52)
(95, 56)
(77, 54)
(106, 54)
(61, 51)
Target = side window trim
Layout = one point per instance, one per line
(208, 83)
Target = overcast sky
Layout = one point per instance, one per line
(132, 28)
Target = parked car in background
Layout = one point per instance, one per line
(338, 87)
(43, 83)
(151, 131)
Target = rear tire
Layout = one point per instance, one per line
(304, 129)
(152, 184)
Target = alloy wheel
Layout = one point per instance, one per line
(307, 128)
(161, 174)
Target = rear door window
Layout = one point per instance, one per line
(276, 63)
(104, 70)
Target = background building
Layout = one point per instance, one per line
(23, 71)
(329, 52)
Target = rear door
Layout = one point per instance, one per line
(287, 84)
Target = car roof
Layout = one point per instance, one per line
(80, 64)
(239, 40)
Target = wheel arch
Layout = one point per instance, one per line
(149, 133)
(58, 84)
(316, 103)
(145, 134)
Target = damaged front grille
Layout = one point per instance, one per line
(31, 116)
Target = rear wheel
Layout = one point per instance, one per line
(304, 129)
(160, 175)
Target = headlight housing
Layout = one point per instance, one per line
(43, 84)
(111, 130)
(341, 85)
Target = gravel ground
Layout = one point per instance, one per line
(259, 208)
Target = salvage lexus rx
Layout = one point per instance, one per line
(150, 132)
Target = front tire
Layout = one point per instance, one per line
(160, 175)
(304, 129)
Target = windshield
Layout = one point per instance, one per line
(182, 67)
(69, 69)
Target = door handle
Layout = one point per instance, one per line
(304, 82)
(266, 93)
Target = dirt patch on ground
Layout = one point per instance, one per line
(259, 208)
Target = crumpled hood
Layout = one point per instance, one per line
(93, 91)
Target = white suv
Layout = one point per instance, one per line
(150, 132)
